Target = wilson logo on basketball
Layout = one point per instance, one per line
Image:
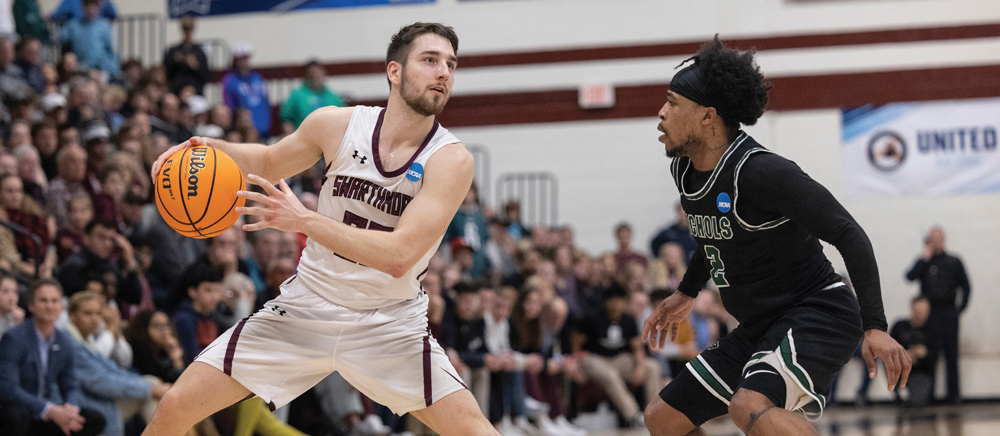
(195, 165)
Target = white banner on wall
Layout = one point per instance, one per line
(929, 148)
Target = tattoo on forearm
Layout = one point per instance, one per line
(754, 416)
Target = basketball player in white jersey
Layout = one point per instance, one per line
(394, 180)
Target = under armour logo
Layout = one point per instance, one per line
(279, 310)
(363, 158)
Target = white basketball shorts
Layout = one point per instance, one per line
(299, 338)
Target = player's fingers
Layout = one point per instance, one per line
(662, 320)
(891, 363)
(674, 331)
(155, 170)
(253, 210)
(869, 358)
(907, 365)
(661, 338)
(158, 165)
(255, 196)
(285, 188)
(650, 327)
(259, 181)
(259, 225)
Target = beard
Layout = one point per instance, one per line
(417, 99)
(684, 147)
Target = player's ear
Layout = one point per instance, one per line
(394, 71)
(709, 116)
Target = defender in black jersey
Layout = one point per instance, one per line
(758, 219)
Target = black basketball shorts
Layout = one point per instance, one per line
(792, 362)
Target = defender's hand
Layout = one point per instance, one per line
(894, 357)
(666, 318)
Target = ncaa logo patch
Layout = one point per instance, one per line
(415, 173)
(723, 202)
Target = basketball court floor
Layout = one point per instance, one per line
(967, 420)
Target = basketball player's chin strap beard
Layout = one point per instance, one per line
(684, 149)
(754, 416)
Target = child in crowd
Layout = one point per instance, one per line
(198, 321)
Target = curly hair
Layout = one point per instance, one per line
(733, 81)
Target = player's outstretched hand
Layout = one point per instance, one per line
(279, 209)
(894, 357)
(666, 319)
(193, 142)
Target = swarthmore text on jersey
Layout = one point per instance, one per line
(710, 227)
(392, 203)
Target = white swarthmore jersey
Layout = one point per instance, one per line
(359, 192)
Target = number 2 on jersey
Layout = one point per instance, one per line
(718, 267)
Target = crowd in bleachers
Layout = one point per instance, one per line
(568, 323)
(541, 330)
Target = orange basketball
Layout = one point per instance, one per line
(196, 191)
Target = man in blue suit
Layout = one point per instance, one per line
(38, 390)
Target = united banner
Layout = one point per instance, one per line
(179, 8)
(932, 148)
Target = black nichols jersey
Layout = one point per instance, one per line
(758, 220)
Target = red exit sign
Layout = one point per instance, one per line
(596, 96)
